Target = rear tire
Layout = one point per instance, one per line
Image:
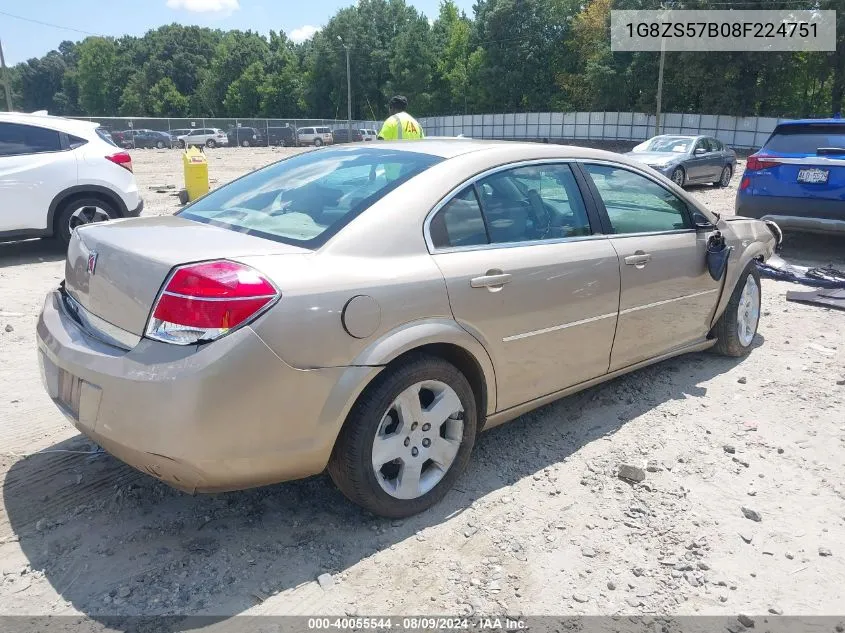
(160, 144)
(679, 176)
(725, 177)
(245, 143)
(210, 143)
(317, 142)
(737, 327)
(81, 211)
(379, 419)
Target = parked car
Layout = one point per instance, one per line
(369, 135)
(265, 335)
(57, 174)
(125, 138)
(246, 137)
(798, 177)
(688, 159)
(180, 132)
(341, 135)
(315, 136)
(208, 136)
(282, 135)
(146, 139)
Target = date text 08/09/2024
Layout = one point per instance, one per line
(416, 624)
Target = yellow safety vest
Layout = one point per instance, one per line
(401, 127)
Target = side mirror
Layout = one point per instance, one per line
(699, 151)
(701, 222)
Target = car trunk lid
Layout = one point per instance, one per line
(806, 160)
(115, 269)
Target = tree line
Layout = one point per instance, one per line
(509, 55)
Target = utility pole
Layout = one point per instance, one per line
(660, 86)
(5, 79)
(348, 89)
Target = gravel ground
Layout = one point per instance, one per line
(742, 509)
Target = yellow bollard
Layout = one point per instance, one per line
(196, 173)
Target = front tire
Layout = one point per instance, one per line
(79, 212)
(725, 177)
(160, 144)
(245, 143)
(679, 176)
(407, 439)
(736, 328)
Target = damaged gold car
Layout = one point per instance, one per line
(371, 309)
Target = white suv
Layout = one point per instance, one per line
(315, 136)
(56, 174)
(208, 136)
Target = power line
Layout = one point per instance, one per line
(55, 26)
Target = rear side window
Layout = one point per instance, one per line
(103, 133)
(16, 139)
(805, 139)
(306, 199)
(536, 202)
(459, 223)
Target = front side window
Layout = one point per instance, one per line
(16, 140)
(535, 202)
(306, 199)
(636, 204)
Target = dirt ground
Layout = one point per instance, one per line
(539, 524)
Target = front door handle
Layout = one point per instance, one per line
(493, 279)
(638, 259)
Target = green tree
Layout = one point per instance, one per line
(243, 97)
(96, 75)
(166, 100)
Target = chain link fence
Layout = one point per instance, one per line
(129, 131)
(737, 132)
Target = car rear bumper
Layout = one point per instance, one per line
(134, 213)
(797, 214)
(221, 416)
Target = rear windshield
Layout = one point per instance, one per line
(306, 199)
(805, 139)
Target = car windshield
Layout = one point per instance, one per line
(306, 199)
(806, 139)
(669, 144)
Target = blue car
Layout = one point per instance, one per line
(797, 179)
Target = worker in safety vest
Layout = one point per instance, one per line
(400, 126)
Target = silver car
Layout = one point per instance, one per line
(371, 308)
(688, 160)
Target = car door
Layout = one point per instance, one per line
(667, 297)
(697, 164)
(35, 166)
(714, 159)
(528, 277)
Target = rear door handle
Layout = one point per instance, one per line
(493, 279)
(638, 259)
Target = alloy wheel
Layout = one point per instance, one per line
(418, 439)
(87, 215)
(748, 312)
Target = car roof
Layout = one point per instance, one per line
(811, 122)
(453, 147)
(73, 126)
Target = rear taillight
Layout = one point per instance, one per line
(122, 159)
(202, 302)
(755, 163)
(744, 183)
